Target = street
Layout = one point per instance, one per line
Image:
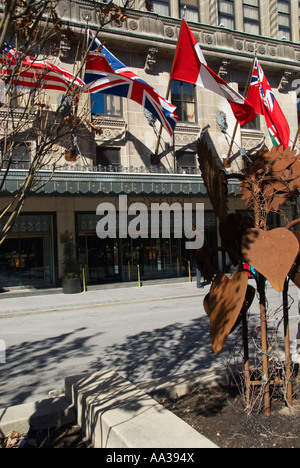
(143, 333)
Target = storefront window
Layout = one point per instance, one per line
(26, 256)
(110, 260)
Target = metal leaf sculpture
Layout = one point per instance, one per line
(214, 180)
(224, 304)
(294, 274)
(272, 178)
(204, 260)
(271, 253)
(232, 226)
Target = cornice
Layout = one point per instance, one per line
(143, 29)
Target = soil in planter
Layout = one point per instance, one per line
(219, 414)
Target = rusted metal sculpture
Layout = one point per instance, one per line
(280, 247)
(267, 183)
(225, 304)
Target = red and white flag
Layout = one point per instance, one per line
(191, 66)
(32, 73)
(264, 102)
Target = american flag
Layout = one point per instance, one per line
(32, 73)
(106, 74)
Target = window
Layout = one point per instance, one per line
(192, 11)
(251, 16)
(108, 156)
(226, 13)
(161, 7)
(284, 19)
(106, 104)
(20, 157)
(186, 160)
(183, 97)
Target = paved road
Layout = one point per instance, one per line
(143, 333)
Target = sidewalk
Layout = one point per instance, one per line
(23, 302)
(31, 302)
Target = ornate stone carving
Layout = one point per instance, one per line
(151, 59)
(169, 32)
(284, 81)
(133, 25)
(251, 47)
(208, 39)
(65, 49)
(223, 71)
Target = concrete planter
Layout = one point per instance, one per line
(72, 286)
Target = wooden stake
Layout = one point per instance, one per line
(288, 369)
(264, 343)
(261, 289)
(246, 359)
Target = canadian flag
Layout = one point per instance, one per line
(191, 66)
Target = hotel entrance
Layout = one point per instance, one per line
(100, 258)
(113, 260)
(156, 258)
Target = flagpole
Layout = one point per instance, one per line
(296, 138)
(169, 86)
(84, 45)
(161, 127)
(226, 162)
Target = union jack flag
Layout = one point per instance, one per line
(264, 102)
(106, 74)
(32, 73)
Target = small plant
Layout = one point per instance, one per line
(70, 262)
(71, 282)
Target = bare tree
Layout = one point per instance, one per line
(27, 115)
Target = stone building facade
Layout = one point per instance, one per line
(120, 159)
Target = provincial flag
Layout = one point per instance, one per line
(191, 66)
(106, 74)
(264, 102)
(31, 73)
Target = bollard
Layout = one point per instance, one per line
(139, 275)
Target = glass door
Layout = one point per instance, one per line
(26, 261)
(101, 258)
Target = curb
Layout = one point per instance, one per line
(113, 413)
(63, 409)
